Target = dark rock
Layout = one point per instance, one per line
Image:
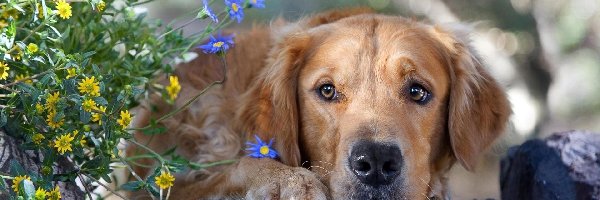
(563, 166)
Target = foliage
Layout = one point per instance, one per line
(69, 72)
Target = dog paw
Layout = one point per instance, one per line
(288, 183)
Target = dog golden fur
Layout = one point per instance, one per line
(360, 106)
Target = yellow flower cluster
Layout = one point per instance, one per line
(71, 73)
(37, 138)
(63, 142)
(90, 86)
(3, 70)
(101, 6)
(21, 77)
(52, 122)
(32, 48)
(97, 116)
(51, 103)
(174, 87)
(165, 180)
(54, 194)
(125, 119)
(88, 105)
(17, 181)
(64, 9)
(40, 194)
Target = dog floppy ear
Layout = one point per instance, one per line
(269, 109)
(478, 107)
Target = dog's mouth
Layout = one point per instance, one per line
(389, 191)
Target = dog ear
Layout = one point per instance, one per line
(478, 107)
(269, 109)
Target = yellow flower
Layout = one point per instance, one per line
(17, 181)
(40, 194)
(52, 100)
(96, 117)
(165, 180)
(71, 73)
(3, 70)
(37, 138)
(40, 11)
(174, 87)
(19, 53)
(88, 105)
(51, 122)
(3, 23)
(39, 108)
(101, 5)
(63, 143)
(125, 119)
(64, 9)
(10, 13)
(89, 86)
(32, 48)
(22, 77)
(54, 194)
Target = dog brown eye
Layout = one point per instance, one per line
(418, 94)
(328, 92)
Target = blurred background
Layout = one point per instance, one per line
(546, 53)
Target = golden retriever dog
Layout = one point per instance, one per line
(359, 106)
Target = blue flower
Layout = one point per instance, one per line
(220, 44)
(257, 3)
(206, 11)
(236, 9)
(261, 149)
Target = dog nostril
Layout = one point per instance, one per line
(390, 167)
(361, 166)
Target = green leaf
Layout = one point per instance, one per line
(154, 130)
(26, 189)
(70, 86)
(101, 101)
(55, 30)
(68, 177)
(89, 54)
(169, 152)
(16, 168)
(2, 185)
(133, 186)
(25, 88)
(107, 178)
(84, 116)
(46, 79)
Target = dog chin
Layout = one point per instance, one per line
(359, 190)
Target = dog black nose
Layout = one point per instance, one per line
(374, 163)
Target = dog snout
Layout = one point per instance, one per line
(375, 163)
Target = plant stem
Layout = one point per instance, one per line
(188, 103)
(157, 156)
(105, 187)
(87, 190)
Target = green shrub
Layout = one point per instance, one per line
(69, 72)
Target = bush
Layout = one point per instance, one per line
(69, 72)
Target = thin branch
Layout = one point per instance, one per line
(87, 190)
(106, 187)
(188, 103)
(157, 156)
(134, 174)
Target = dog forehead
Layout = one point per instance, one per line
(392, 45)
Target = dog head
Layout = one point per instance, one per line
(377, 106)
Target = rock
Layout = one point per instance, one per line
(563, 166)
